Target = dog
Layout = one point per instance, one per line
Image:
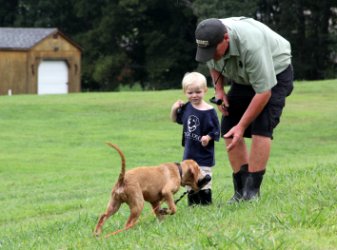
(151, 184)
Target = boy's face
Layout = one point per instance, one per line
(195, 94)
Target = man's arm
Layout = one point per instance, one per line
(218, 83)
(255, 107)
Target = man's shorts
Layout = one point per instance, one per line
(240, 96)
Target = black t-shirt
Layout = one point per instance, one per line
(197, 123)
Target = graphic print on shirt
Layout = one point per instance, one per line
(192, 125)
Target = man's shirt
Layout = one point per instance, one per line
(256, 54)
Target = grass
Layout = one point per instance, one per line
(56, 174)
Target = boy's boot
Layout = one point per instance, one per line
(193, 198)
(251, 186)
(238, 181)
(205, 196)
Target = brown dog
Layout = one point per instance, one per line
(151, 184)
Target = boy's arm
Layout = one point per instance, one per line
(174, 109)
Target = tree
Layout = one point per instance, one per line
(8, 12)
(221, 9)
(309, 27)
(165, 43)
(143, 41)
(151, 42)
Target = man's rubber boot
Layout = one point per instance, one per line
(193, 198)
(251, 186)
(238, 181)
(205, 196)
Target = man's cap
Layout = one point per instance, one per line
(208, 34)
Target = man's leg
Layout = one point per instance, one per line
(238, 158)
(239, 97)
(258, 158)
(259, 153)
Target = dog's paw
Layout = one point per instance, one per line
(163, 211)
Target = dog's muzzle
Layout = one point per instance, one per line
(204, 181)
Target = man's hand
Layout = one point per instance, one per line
(236, 133)
(255, 107)
(223, 108)
(218, 81)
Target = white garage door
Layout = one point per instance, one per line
(52, 77)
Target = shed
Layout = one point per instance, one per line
(38, 61)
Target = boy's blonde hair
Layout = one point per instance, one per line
(194, 78)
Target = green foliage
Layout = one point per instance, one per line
(222, 9)
(56, 174)
(8, 12)
(143, 41)
(152, 41)
(102, 71)
(166, 42)
(312, 34)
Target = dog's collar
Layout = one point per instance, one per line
(180, 170)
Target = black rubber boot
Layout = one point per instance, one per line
(205, 196)
(193, 198)
(252, 183)
(238, 181)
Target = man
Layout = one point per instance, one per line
(256, 61)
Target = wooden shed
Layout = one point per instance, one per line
(38, 61)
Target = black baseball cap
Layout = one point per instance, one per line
(208, 34)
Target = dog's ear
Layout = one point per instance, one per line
(194, 168)
(192, 174)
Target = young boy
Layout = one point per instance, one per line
(200, 129)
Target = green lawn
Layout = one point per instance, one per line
(56, 174)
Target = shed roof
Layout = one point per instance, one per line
(23, 38)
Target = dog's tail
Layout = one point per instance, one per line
(121, 175)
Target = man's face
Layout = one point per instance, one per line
(221, 48)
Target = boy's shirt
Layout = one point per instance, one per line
(197, 123)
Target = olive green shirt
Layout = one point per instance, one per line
(256, 54)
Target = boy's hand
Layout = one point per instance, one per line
(178, 104)
(205, 140)
(174, 110)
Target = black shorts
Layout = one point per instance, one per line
(240, 96)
